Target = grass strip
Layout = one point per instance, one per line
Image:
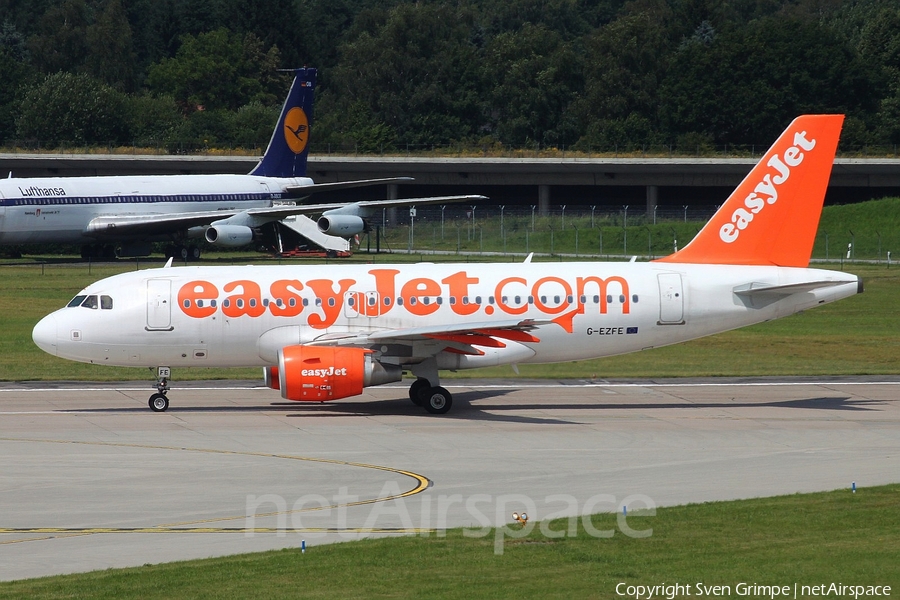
(807, 539)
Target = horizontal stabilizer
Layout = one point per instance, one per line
(770, 290)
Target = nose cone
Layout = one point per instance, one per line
(45, 335)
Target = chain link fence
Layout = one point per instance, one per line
(588, 232)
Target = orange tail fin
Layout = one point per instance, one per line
(771, 218)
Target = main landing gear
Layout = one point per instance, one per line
(434, 399)
(159, 402)
(182, 252)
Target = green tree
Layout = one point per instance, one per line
(252, 125)
(625, 61)
(415, 72)
(60, 43)
(879, 46)
(220, 69)
(153, 119)
(327, 24)
(568, 18)
(745, 85)
(274, 22)
(534, 77)
(76, 109)
(110, 55)
(156, 32)
(14, 73)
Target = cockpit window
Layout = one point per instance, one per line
(95, 302)
(76, 301)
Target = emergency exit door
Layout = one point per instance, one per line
(671, 299)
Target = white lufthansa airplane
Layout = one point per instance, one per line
(326, 332)
(228, 210)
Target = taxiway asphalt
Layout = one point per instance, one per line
(92, 479)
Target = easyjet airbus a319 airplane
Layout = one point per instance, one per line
(326, 332)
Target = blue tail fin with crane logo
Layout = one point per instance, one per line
(289, 146)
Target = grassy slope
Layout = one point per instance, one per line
(809, 539)
(867, 220)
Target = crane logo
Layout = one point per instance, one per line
(296, 130)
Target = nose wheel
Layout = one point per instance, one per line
(159, 402)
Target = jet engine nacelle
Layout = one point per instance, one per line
(229, 235)
(314, 373)
(341, 225)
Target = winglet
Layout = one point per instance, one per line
(771, 218)
(289, 146)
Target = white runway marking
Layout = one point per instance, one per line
(504, 386)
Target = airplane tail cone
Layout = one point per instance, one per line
(287, 151)
(771, 218)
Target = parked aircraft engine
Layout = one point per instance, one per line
(314, 373)
(229, 235)
(341, 225)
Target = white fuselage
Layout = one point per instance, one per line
(242, 316)
(58, 210)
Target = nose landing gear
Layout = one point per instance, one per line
(159, 402)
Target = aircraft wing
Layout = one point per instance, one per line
(153, 224)
(163, 223)
(462, 338)
(279, 212)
